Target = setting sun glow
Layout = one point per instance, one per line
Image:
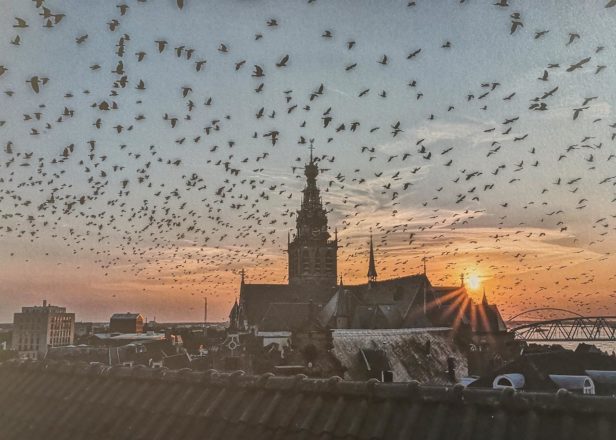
(473, 281)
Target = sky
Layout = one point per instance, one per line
(137, 179)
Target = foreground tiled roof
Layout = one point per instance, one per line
(39, 401)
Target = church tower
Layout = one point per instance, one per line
(312, 255)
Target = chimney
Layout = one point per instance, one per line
(451, 369)
(44, 303)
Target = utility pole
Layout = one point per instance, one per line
(204, 312)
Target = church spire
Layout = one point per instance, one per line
(311, 218)
(371, 266)
(312, 255)
(484, 300)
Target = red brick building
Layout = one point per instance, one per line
(126, 323)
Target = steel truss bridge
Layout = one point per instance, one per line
(578, 328)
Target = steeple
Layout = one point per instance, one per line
(484, 300)
(312, 255)
(371, 266)
(312, 218)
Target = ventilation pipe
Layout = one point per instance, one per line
(576, 384)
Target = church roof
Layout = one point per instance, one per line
(376, 316)
(341, 304)
(375, 305)
(393, 303)
(487, 319)
(289, 317)
(256, 298)
(94, 402)
(415, 279)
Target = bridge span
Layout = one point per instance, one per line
(575, 329)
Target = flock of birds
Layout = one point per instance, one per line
(156, 214)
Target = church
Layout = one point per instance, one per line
(315, 298)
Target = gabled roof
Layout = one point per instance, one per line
(93, 402)
(375, 316)
(127, 315)
(416, 279)
(256, 298)
(342, 304)
(487, 319)
(406, 350)
(290, 317)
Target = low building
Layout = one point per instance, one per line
(83, 329)
(116, 339)
(37, 328)
(126, 323)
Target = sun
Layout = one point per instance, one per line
(474, 281)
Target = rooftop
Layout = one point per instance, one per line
(96, 402)
(127, 315)
(130, 336)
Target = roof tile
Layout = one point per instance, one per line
(95, 402)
